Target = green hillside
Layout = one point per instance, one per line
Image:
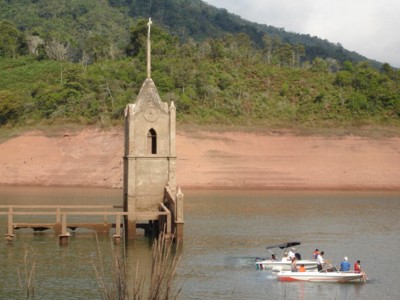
(103, 26)
(82, 62)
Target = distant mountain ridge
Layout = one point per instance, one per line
(219, 22)
(111, 20)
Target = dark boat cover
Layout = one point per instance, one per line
(284, 246)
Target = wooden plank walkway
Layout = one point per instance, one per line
(64, 213)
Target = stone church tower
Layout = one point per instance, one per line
(150, 158)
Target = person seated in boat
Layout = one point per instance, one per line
(357, 266)
(316, 253)
(345, 265)
(320, 261)
(273, 257)
(294, 264)
(298, 255)
(302, 268)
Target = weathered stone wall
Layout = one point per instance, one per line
(151, 179)
(148, 172)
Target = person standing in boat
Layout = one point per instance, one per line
(291, 254)
(320, 260)
(345, 265)
(294, 264)
(357, 266)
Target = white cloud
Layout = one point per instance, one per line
(369, 27)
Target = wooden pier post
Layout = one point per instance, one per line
(63, 237)
(168, 226)
(117, 235)
(57, 227)
(10, 235)
(179, 222)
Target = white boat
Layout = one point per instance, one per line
(323, 276)
(282, 264)
(277, 266)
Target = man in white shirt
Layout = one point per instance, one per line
(291, 254)
(320, 261)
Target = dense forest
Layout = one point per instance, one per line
(75, 61)
(102, 26)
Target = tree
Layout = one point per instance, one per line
(10, 107)
(57, 50)
(319, 65)
(273, 49)
(284, 55)
(387, 69)
(216, 49)
(244, 44)
(34, 44)
(161, 41)
(348, 66)
(97, 47)
(12, 41)
(268, 47)
(343, 78)
(298, 51)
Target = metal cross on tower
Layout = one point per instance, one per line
(149, 50)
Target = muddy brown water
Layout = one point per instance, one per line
(224, 232)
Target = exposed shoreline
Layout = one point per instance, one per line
(209, 160)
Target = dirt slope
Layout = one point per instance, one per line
(208, 160)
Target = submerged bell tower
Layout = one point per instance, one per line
(149, 189)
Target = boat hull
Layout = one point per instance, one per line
(288, 276)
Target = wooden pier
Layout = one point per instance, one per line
(62, 219)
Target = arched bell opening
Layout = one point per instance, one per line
(152, 141)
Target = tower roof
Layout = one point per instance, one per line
(148, 96)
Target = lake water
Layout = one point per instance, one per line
(224, 232)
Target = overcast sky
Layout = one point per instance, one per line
(368, 27)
